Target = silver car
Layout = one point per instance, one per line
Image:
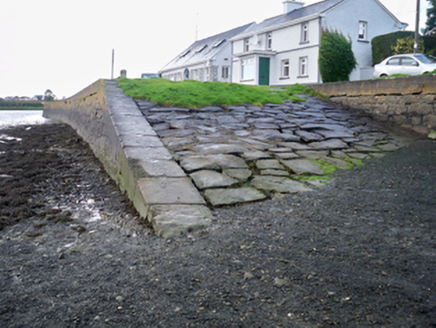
(410, 64)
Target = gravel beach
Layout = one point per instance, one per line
(359, 251)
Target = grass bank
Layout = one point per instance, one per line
(194, 94)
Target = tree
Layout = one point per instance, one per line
(336, 57)
(431, 15)
(406, 46)
(49, 95)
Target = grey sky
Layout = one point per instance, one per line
(66, 45)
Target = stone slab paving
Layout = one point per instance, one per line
(247, 153)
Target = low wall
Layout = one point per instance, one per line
(133, 155)
(409, 101)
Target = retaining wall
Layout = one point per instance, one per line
(133, 155)
(409, 101)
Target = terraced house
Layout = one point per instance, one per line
(284, 50)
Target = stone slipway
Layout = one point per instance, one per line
(227, 155)
(134, 156)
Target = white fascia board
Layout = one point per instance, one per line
(277, 27)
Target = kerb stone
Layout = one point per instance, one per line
(174, 220)
(169, 191)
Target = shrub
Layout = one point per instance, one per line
(406, 46)
(383, 45)
(336, 58)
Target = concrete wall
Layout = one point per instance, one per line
(409, 102)
(134, 157)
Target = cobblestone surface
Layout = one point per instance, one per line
(228, 151)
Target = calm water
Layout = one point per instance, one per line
(21, 117)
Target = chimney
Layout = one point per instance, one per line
(290, 5)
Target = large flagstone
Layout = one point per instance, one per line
(233, 196)
(303, 166)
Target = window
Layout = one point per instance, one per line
(304, 32)
(247, 69)
(285, 68)
(363, 29)
(185, 53)
(202, 48)
(246, 45)
(220, 42)
(406, 61)
(394, 61)
(225, 72)
(269, 41)
(303, 67)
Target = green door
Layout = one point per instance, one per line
(263, 71)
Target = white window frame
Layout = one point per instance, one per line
(225, 72)
(362, 34)
(304, 32)
(246, 45)
(303, 66)
(285, 69)
(248, 69)
(268, 43)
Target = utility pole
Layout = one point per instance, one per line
(415, 48)
(113, 59)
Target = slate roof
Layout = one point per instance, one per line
(314, 9)
(204, 49)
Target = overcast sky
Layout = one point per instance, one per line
(65, 45)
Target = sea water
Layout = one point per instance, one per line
(21, 117)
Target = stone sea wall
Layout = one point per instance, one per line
(134, 157)
(409, 102)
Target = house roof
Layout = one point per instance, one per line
(205, 49)
(315, 9)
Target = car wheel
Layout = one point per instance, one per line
(383, 75)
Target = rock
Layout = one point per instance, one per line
(280, 173)
(208, 179)
(339, 163)
(308, 136)
(304, 166)
(269, 164)
(329, 144)
(212, 162)
(240, 174)
(233, 196)
(278, 184)
(294, 145)
(313, 154)
(220, 149)
(255, 155)
(287, 155)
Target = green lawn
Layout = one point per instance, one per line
(194, 94)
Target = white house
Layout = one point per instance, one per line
(209, 59)
(284, 50)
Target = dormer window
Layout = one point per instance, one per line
(202, 48)
(185, 53)
(220, 42)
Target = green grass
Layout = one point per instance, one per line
(194, 94)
